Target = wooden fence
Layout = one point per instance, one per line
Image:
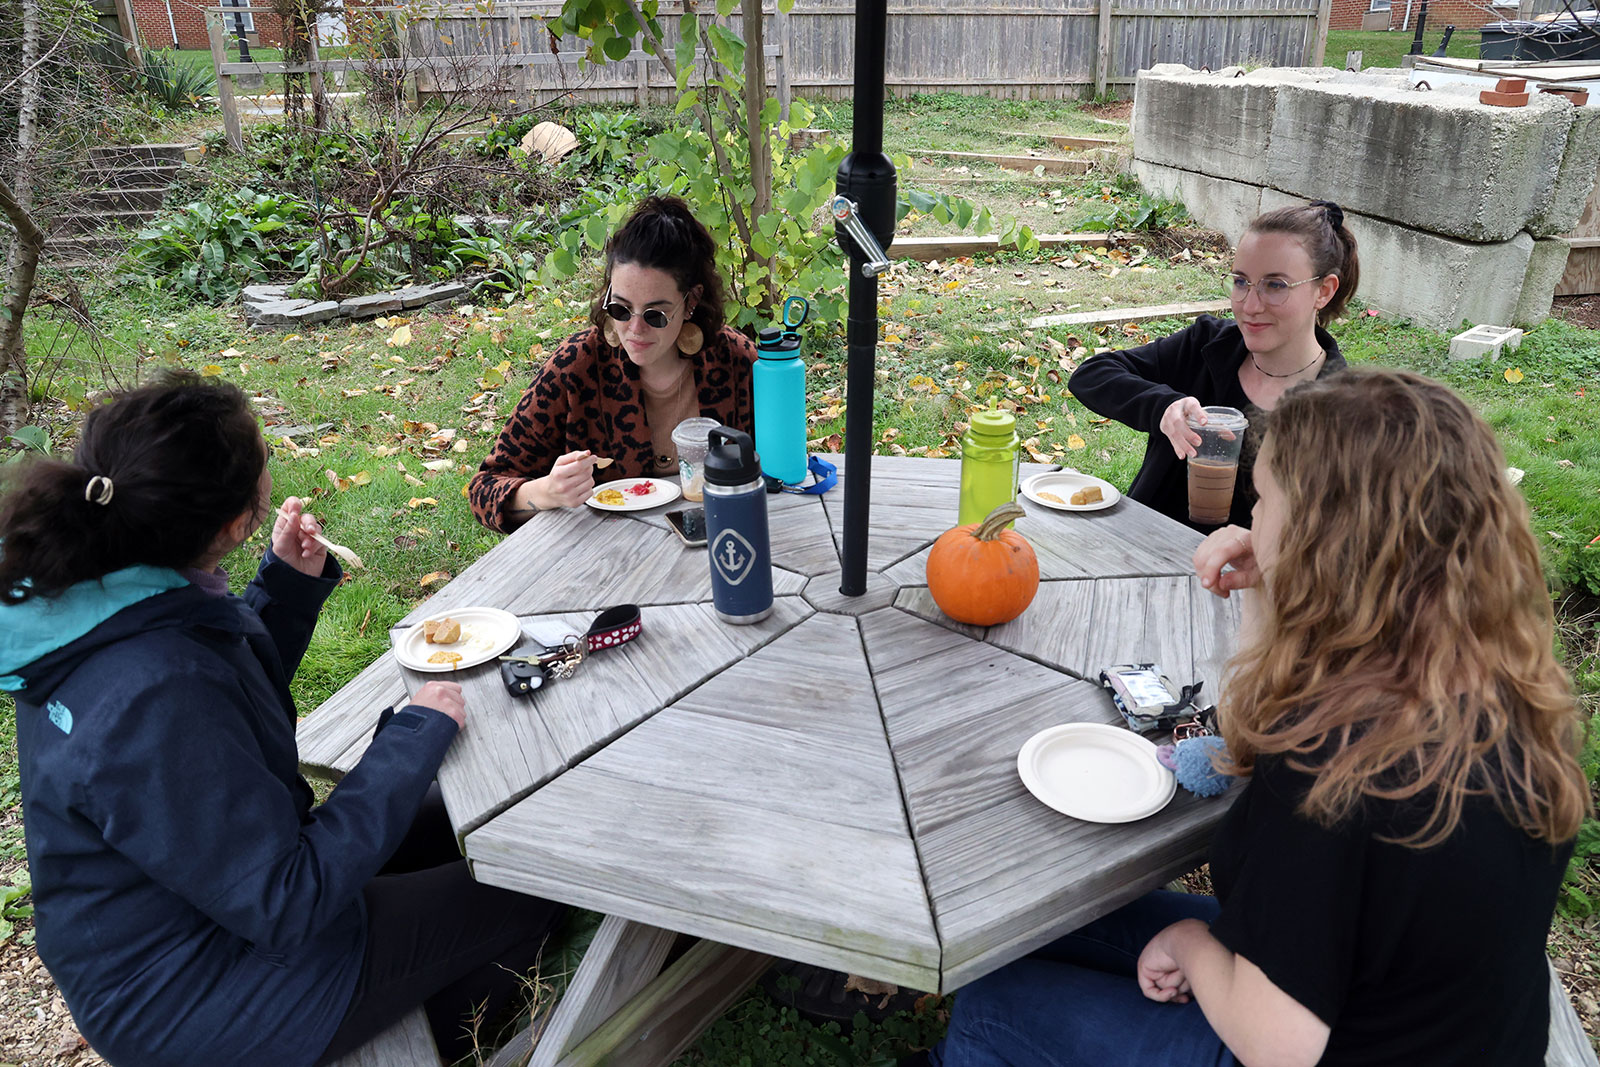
(1004, 48)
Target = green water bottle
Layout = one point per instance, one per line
(988, 464)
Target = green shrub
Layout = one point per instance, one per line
(1124, 205)
(176, 84)
(212, 250)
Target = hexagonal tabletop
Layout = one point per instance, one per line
(838, 783)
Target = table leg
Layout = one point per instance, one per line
(621, 960)
(671, 1011)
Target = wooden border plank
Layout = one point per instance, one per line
(621, 961)
(924, 249)
(1023, 163)
(1118, 316)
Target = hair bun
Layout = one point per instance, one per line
(1334, 211)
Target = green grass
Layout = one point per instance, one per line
(1384, 48)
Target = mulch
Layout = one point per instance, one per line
(1579, 310)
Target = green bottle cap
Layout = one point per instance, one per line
(992, 422)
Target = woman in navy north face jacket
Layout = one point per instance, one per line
(191, 904)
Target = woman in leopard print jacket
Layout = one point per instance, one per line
(657, 352)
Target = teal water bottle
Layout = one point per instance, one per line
(989, 464)
(779, 380)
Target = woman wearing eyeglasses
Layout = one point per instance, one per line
(1295, 270)
(657, 353)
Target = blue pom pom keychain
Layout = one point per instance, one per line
(1192, 756)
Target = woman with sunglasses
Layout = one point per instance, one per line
(1294, 271)
(656, 353)
(1386, 877)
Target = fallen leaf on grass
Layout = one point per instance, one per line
(432, 577)
(439, 465)
(1513, 375)
(854, 983)
(210, 370)
(422, 502)
(1075, 442)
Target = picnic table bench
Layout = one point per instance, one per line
(836, 784)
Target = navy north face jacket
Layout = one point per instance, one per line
(190, 903)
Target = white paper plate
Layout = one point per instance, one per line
(1095, 772)
(1063, 484)
(485, 633)
(662, 492)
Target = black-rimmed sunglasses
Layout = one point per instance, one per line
(653, 317)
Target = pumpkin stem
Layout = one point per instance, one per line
(998, 520)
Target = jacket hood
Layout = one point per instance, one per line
(43, 638)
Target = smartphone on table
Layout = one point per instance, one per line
(689, 525)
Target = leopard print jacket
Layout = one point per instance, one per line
(587, 396)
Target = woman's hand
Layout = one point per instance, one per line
(1161, 977)
(445, 697)
(568, 484)
(1229, 546)
(292, 539)
(1175, 424)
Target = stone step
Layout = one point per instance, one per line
(137, 154)
(140, 177)
(82, 250)
(123, 199)
(91, 221)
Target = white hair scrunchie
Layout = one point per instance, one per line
(99, 490)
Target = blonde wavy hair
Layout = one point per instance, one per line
(1405, 646)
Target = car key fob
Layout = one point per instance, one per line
(522, 677)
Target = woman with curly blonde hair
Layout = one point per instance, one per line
(1386, 878)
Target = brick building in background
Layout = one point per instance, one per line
(182, 24)
(1391, 15)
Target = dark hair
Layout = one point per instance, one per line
(184, 458)
(1330, 244)
(663, 234)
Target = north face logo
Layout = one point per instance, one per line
(61, 715)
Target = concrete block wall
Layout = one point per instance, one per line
(1456, 205)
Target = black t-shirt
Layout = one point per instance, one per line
(1411, 957)
(1136, 386)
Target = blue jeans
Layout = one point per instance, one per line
(1076, 1002)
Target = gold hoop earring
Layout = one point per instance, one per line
(609, 332)
(690, 339)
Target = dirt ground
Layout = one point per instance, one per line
(1579, 310)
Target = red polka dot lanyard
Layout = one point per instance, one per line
(531, 665)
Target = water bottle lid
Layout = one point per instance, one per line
(731, 459)
(992, 422)
(776, 343)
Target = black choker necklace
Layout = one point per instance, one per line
(1291, 374)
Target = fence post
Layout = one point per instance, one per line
(219, 56)
(1102, 55)
(1320, 48)
(319, 89)
(780, 26)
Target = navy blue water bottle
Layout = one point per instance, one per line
(736, 528)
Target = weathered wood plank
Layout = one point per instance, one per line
(1139, 620)
(1125, 540)
(802, 540)
(1118, 316)
(1051, 165)
(332, 738)
(916, 600)
(823, 594)
(408, 1043)
(1215, 624)
(927, 249)
(623, 958)
(1055, 630)
(658, 1024)
(1569, 1046)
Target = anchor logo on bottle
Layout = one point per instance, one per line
(733, 555)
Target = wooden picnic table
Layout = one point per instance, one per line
(835, 785)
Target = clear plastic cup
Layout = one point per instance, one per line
(691, 440)
(1214, 467)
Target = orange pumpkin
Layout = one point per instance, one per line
(983, 573)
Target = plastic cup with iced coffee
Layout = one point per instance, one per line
(691, 437)
(1214, 468)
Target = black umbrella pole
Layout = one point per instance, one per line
(866, 177)
(862, 344)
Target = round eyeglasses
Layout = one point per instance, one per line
(1272, 291)
(653, 317)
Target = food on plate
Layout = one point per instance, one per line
(644, 488)
(1050, 497)
(611, 498)
(445, 657)
(445, 631)
(1088, 495)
